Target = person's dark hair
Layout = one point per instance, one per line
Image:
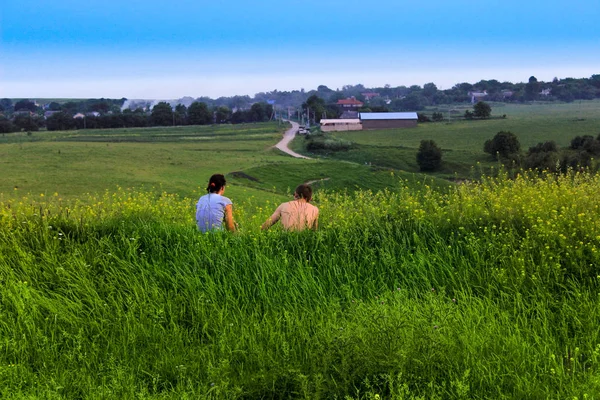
(215, 183)
(304, 192)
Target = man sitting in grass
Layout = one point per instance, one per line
(296, 215)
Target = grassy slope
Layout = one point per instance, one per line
(177, 159)
(480, 293)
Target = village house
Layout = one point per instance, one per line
(477, 96)
(350, 104)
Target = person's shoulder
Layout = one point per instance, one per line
(226, 200)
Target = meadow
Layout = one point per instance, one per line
(476, 293)
(462, 141)
(412, 288)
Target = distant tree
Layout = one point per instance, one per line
(25, 105)
(429, 89)
(54, 106)
(199, 114)
(437, 116)
(469, 114)
(463, 87)
(506, 144)
(60, 121)
(375, 109)
(532, 89)
(239, 102)
(429, 156)
(412, 102)
(324, 89)
(162, 114)
(6, 104)
(238, 117)
(6, 126)
(181, 109)
(26, 123)
(222, 115)
(101, 106)
(260, 112)
(71, 107)
(316, 106)
(482, 110)
(137, 118)
(180, 114)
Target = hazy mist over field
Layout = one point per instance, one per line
(151, 50)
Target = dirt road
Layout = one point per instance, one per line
(287, 138)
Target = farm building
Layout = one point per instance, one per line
(477, 96)
(336, 125)
(350, 104)
(385, 120)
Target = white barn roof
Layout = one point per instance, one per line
(388, 115)
(340, 121)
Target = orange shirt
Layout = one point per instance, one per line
(296, 215)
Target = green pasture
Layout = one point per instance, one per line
(462, 141)
(178, 160)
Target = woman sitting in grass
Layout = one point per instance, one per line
(296, 215)
(213, 208)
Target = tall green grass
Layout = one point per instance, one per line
(487, 291)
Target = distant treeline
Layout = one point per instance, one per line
(110, 113)
(103, 113)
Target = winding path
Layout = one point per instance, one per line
(288, 136)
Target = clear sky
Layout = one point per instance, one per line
(166, 50)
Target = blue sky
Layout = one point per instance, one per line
(165, 50)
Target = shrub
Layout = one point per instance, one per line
(586, 143)
(482, 110)
(423, 118)
(429, 156)
(504, 143)
(543, 156)
(437, 116)
(327, 143)
(545, 147)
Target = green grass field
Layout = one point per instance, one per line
(462, 141)
(412, 288)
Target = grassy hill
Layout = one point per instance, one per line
(412, 287)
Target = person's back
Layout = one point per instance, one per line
(214, 209)
(210, 211)
(296, 215)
